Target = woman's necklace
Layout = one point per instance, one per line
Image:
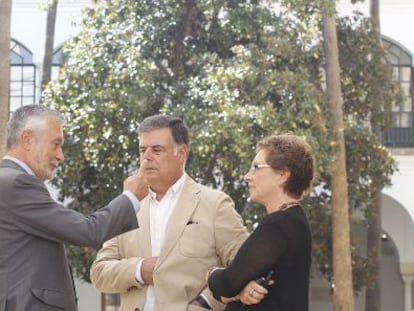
(285, 206)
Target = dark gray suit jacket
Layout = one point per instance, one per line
(34, 272)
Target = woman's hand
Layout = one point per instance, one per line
(253, 293)
(226, 300)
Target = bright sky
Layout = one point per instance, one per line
(29, 21)
(28, 24)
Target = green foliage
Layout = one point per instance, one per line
(369, 167)
(236, 71)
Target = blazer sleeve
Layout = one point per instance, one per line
(111, 272)
(36, 213)
(229, 230)
(230, 233)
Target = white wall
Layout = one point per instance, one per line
(402, 191)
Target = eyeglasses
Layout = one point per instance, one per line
(255, 167)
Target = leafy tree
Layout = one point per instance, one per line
(368, 93)
(376, 92)
(234, 70)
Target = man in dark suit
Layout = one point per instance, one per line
(34, 272)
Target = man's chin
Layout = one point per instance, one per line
(150, 178)
(50, 175)
(150, 173)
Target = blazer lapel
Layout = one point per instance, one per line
(184, 209)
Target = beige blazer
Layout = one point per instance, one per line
(205, 231)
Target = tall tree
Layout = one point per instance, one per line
(236, 71)
(374, 230)
(342, 265)
(5, 24)
(50, 38)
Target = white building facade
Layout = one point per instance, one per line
(397, 266)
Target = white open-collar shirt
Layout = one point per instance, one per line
(160, 214)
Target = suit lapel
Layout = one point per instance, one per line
(184, 209)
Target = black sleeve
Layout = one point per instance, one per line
(254, 259)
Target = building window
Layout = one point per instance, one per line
(401, 132)
(22, 76)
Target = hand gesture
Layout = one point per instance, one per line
(137, 185)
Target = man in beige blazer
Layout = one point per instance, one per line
(185, 230)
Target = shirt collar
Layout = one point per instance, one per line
(21, 164)
(174, 189)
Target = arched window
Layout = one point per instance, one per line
(22, 76)
(401, 133)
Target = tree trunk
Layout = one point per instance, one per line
(342, 267)
(188, 20)
(374, 231)
(372, 294)
(50, 38)
(5, 21)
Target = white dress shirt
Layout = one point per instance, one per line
(160, 214)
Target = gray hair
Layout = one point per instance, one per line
(29, 116)
(179, 130)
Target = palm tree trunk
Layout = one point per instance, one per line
(342, 266)
(5, 18)
(50, 38)
(373, 292)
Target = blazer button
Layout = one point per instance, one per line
(136, 309)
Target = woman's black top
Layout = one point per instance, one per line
(282, 242)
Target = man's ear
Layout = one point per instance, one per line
(183, 151)
(26, 139)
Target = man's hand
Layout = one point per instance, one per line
(147, 270)
(137, 185)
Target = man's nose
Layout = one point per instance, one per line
(60, 156)
(146, 155)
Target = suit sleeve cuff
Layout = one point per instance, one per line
(134, 201)
(138, 276)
